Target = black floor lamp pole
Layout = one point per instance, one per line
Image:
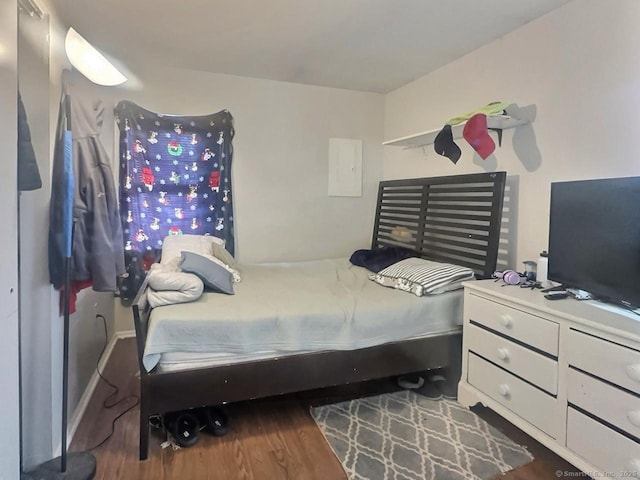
(81, 465)
(65, 361)
(66, 307)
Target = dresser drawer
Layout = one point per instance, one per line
(609, 451)
(528, 402)
(610, 361)
(611, 404)
(533, 367)
(535, 331)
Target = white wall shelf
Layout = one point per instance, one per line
(494, 122)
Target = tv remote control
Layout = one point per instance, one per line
(556, 296)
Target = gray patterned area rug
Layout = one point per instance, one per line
(403, 436)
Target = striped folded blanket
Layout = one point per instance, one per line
(423, 277)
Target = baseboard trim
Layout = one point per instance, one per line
(88, 392)
(126, 334)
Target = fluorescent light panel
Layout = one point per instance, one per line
(90, 62)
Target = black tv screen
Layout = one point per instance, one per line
(594, 238)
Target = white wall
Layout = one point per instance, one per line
(9, 356)
(280, 165)
(575, 70)
(35, 291)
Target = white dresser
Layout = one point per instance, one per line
(566, 372)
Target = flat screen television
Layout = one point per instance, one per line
(594, 238)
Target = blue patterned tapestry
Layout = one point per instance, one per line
(175, 178)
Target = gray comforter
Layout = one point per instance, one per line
(297, 307)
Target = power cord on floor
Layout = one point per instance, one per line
(115, 388)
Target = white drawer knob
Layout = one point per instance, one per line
(633, 372)
(506, 321)
(503, 389)
(634, 417)
(503, 354)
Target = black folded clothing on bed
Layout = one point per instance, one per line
(381, 257)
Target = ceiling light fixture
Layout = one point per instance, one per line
(90, 62)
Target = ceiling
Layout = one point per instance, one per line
(366, 45)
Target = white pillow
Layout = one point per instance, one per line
(174, 245)
(235, 274)
(423, 277)
(169, 285)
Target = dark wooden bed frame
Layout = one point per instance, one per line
(453, 219)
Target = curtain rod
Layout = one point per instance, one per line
(31, 8)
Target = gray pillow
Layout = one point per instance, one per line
(212, 274)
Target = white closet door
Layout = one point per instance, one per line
(9, 444)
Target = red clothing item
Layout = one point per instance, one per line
(75, 287)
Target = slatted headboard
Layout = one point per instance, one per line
(454, 219)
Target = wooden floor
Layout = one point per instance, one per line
(273, 438)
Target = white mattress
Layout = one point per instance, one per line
(292, 308)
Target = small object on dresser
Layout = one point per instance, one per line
(532, 284)
(530, 270)
(542, 268)
(556, 296)
(542, 272)
(555, 288)
(510, 277)
(579, 294)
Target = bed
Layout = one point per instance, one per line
(301, 340)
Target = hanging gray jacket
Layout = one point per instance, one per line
(98, 250)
